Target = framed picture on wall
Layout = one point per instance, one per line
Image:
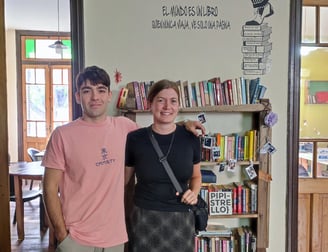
(316, 92)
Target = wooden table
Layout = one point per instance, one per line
(23, 170)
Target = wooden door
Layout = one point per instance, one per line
(313, 196)
(46, 93)
(313, 216)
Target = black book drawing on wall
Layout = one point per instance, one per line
(256, 46)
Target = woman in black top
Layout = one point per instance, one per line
(161, 219)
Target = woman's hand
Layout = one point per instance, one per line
(194, 127)
(189, 197)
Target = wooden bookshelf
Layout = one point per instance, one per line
(260, 220)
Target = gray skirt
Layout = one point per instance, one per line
(158, 231)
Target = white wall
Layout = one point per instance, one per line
(12, 95)
(119, 36)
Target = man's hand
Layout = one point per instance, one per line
(194, 127)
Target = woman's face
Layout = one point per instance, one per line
(165, 106)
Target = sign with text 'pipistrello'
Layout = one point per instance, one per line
(220, 202)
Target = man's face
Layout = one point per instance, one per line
(94, 100)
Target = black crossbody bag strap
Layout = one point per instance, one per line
(163, 160)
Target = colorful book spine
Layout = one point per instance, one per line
(137, 94)
(202, 93)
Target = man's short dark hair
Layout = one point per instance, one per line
(95, 75)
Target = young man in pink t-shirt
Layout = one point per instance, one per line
(84, 175)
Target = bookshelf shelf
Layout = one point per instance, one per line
(240, 216)
(215, 109)
(238, 163)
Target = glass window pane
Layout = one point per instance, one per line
(41, 129)
(311, 123)
(305, 159)
(39, 49)
(67, 53)
(308, 24)
(43, 51)
(31, 129)
(322, 160)
(56, 76)
(30, 48)
(60, 106)
(56, 124)
(30, 76)
(40, 76)
(35, 102)
(323, 24)
(65, 76)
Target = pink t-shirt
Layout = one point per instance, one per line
(91, 157)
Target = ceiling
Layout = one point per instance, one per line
(39, 15)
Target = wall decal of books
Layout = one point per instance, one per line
(256, 49)
(212, 92)
(256, 46)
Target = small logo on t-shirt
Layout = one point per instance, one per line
(105, 160)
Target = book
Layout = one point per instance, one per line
(241, 239)
(220, 202)
(256, 47)
(148, 85)
(198, 95)
(253, 195)
(243, 90)
(131, 99)
(257, 33)
(218, 88)
(137, 94)
(246, 147)
(182, 94)
(253, 86)
(255, 27)
(256, 39)
(210, 88)
(229, 92)
(208, 176)
(222, 148)
(143, 95)
(186, 97)
(216, 231)
(234, 92)
(247, 84)
(190, 94)
(262, 91)
(206, 93)
(250, 134)
(202, 93)
(239, 187)
(255, 144)
(233, 188)
(121, 100)
(194, 99)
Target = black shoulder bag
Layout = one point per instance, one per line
(200, 209)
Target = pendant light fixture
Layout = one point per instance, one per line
(58, 45)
